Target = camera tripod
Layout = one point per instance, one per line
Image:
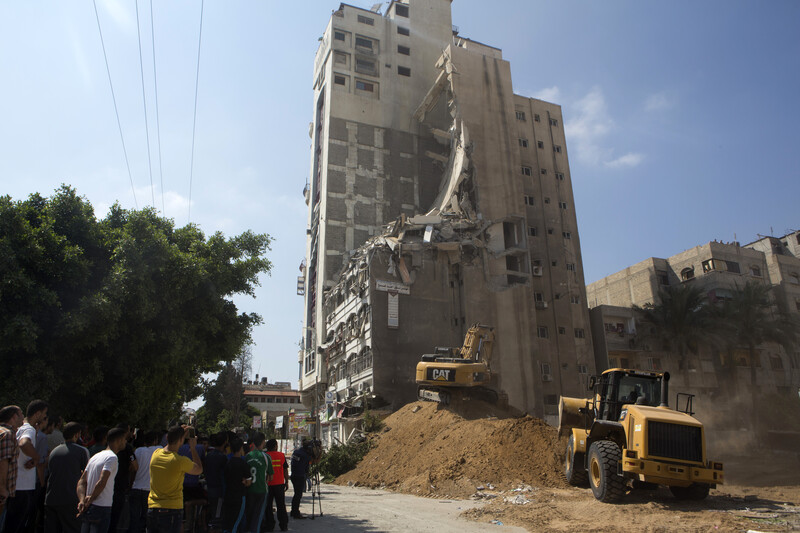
(316, 494)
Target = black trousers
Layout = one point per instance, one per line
(299, 486)
(61, 519)
(277, 494)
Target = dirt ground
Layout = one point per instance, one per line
(514, 464)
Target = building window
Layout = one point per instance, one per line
(755, 271)
(403, 31)
(338, 36)
(547, 200)
(687, 274)
(536, 118)
(562, 205)
(554, 263)
(366, 20)
(339, 80)
(520, 115)
(794, 278)
(529, 200)
(557, 149)
(404, 71)
(401, 10)
(531, 231)
(405, 50)
(775, 362)
(553, 122)
(365, 44)
(582, 369)
(566, 234)
(540, 144)
(366, 66)
(362, 85)
(574, 299)
(545, 367)
(579, 333)
(538, 297)
(662, 277)
(526, 171)
(549, 231)
(797, 304)
(523, 142)
(542, 333)
(543, 171)
(562, 330)
(340, 58)
(560, 176)
(571, 267)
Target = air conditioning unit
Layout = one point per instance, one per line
(537, 271)
(547, 377)
(541, 305)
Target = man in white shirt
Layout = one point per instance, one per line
(96, 486)
(20, 506)
(141, 483)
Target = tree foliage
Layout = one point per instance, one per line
(117, 319)
(678, 321)
(225, 406)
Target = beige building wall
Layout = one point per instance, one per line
(376, 157)
(718, 268)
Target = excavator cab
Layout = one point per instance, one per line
(619, 387)
(460, 373)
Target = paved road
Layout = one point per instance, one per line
(358, 509)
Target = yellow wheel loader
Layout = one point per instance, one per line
(460, 373)
(626, 436)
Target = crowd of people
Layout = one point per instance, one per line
(60, 478)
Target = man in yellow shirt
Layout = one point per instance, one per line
(167, 468)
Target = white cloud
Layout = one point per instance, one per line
(121, 16)
(549, 94)
(589, 130)
(79, 54)
(657, 102)
(628, 160)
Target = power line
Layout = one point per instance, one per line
(144, 104)
(114, 98)
(194, 122)
(158, 125)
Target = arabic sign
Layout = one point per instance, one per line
(392, 286)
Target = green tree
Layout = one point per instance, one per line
(752, 319)
(678, 321)
(117, 319)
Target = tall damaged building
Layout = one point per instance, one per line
(438, 198)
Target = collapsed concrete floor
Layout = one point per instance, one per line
(478, 451)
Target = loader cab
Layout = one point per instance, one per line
(618, 387)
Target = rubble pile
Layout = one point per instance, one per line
(459, 451)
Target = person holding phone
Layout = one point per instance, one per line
(167, 469)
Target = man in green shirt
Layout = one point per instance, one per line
(261, 472)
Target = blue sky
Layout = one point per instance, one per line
(681, 119)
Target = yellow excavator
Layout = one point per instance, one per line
(460, 373)
(626, 437)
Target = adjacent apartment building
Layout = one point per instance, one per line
(437, 198)
(718, 268)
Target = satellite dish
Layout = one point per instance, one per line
(376, 8)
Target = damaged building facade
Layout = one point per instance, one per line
(437, 199)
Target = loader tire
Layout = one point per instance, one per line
(574, 467)
(695, 491)
(604, 457)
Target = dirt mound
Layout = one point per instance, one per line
(447, 451)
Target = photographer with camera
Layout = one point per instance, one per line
(301, 462)
(167, 469)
